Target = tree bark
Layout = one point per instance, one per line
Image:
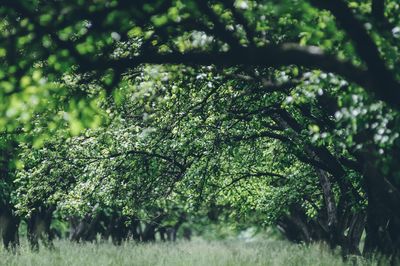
(9, 225)
(383, 216)
(330, 206)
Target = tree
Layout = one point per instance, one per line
(289, 50)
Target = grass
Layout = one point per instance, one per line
(197, 252)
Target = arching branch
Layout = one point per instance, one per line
(384, 85)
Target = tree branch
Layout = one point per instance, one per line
(271, 56)
(384, 85)
(378, 10)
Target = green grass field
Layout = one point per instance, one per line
(197, 252)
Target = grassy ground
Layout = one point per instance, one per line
(198, 252)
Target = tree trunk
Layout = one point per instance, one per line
(9, 224)
(356, 228)
(383, 215)
(135, 229)
(162, 231)
(330, 205)
(38, 226)
(119, 231)
(149, 233)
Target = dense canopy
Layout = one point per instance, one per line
(118, 115)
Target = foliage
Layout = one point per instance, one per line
(249, 112)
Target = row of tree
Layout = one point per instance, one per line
(277, 112)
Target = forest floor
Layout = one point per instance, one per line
(197, 252)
